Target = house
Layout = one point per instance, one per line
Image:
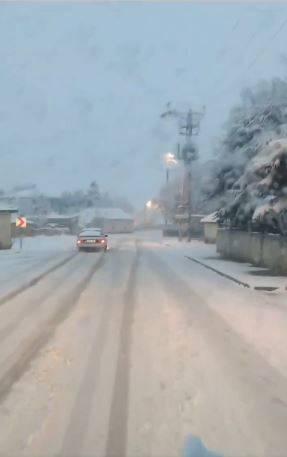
(210, 224)
(5, 226)
(195, 224)
(65, 221)
(110, 220)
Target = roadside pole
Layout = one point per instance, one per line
(167, 175)
(189, 127)
(189, 203)
(21, 224)
(167, 181)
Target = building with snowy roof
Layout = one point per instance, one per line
(5, 226)
(210, 224)
(67, 221)
(110, 220)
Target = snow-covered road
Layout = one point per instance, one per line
(131, 352)
(37, 256)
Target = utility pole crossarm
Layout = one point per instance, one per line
(190, 120)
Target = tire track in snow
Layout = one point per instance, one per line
(32, 282)
(29, 349)
(118, 420)
(251, 375)
(82, 407)
(36, 302)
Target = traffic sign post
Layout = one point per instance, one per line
(21, 223)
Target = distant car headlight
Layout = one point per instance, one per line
(103, 241)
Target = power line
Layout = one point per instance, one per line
(265, 49)
(222, 52)
(251, 39)
(257, 57)
(243, 51)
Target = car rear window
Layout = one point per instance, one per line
(90, 233)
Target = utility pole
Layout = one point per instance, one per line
(169, 160)
(167, 181)
(189, 126)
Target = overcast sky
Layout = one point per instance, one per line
(83, 85)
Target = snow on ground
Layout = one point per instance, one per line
(41, 251)
(38, 254)
(244, 272)
(185, 369)
(259, 317)
(43, 243)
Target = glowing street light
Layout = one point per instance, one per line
(170, 159)
(153, 204)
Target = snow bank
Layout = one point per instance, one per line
(42, 243)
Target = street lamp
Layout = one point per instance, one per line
(148, 206)
(170, 159)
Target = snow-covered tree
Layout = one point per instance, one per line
(250, 170)
(93, 193)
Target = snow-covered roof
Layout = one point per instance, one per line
(89, 214)
(61, 216)
(210, 218)
(6, 208)
(112, 213)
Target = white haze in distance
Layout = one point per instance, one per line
(83, 85)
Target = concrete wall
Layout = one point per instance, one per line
(5, 231)
(266, 250)
(210, 232)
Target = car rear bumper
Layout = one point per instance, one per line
(95, 247)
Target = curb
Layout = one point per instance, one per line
(225, 275)
(34, 280)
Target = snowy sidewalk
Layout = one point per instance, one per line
(244, 273)
(38, 254)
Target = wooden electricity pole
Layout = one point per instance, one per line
(189, 125)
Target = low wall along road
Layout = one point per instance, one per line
(266, 250)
